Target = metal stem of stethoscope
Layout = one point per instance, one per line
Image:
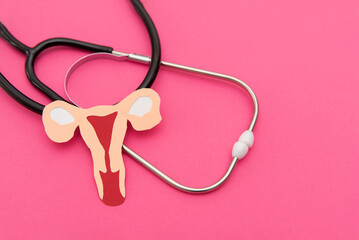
(156, 171)
(146, 59)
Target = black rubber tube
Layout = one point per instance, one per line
(19, 96)
(32, 53)
(155, 42)
(5, 34)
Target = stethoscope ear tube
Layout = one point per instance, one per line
(32, 53)
(19, 96)
(155, 43)
(5, 34)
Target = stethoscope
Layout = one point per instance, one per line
(240, 148)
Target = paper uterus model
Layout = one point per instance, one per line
(103, 129)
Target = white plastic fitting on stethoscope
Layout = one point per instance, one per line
(245, 142)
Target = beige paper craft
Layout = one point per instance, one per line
(103, 129)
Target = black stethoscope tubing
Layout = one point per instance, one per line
(32, 54)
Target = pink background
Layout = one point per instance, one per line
(299, 181)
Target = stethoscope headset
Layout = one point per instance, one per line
(240, 148)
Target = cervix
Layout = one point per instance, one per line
(103, 129)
